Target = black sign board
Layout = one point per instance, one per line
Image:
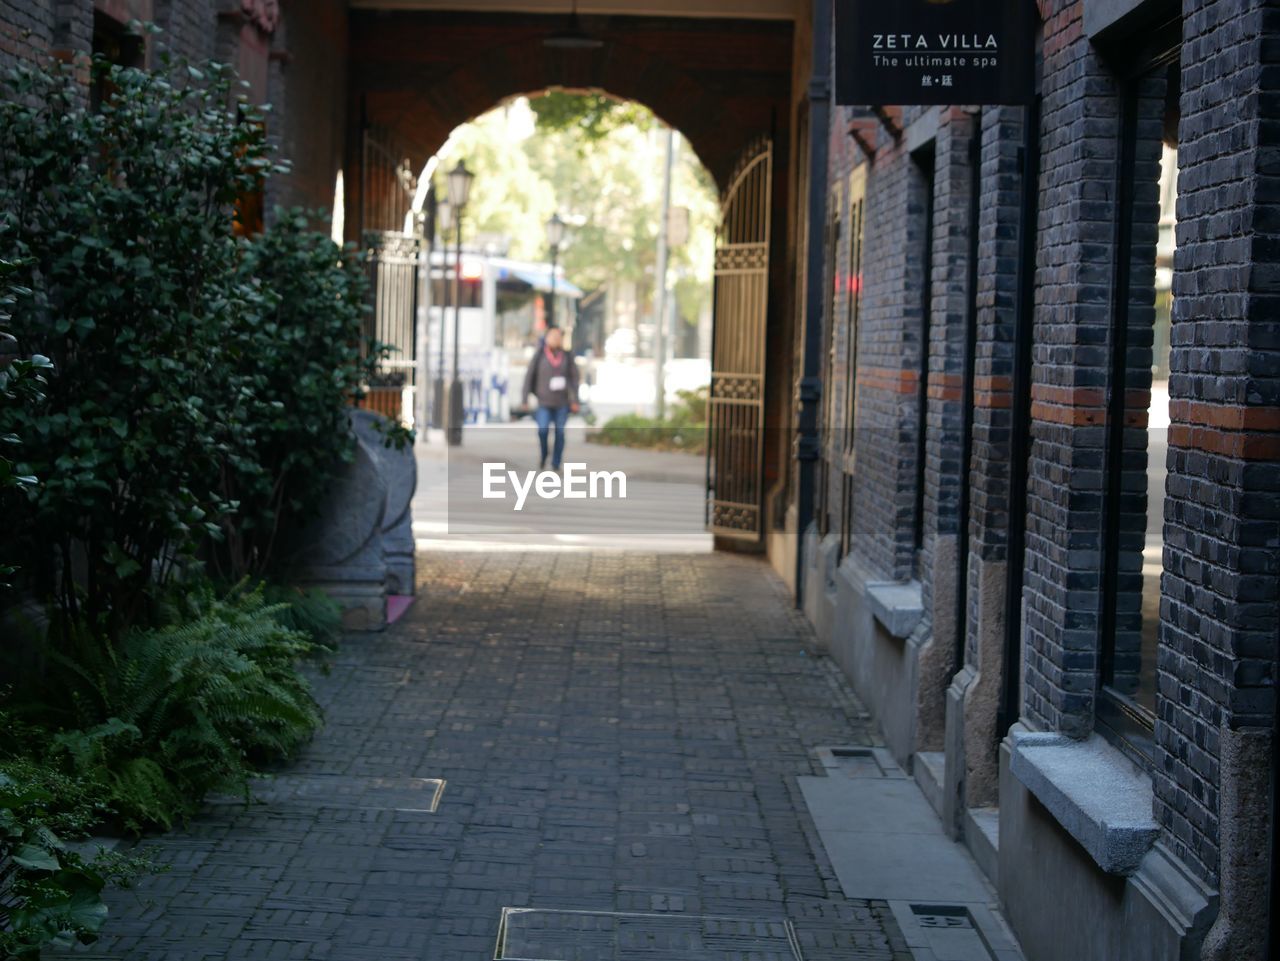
(935, 51)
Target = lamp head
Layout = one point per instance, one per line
(460, 179)
(555, 231)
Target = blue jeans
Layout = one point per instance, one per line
(544, 417)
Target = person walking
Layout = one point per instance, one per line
(552, 377)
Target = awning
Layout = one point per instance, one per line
(538, 277)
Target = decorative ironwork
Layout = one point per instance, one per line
(738, 387)
(735, 411)
(754, 257)
(734, 518)
(387, 183)
(394, 263)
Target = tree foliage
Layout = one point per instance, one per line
(291, 360)
(592, 115)
(598, 162)
(49, 894)
(166, 715)
(22, 383)
(201, 382)
(119, 218)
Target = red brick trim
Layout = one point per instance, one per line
(889, 380)
(1239, 446)
(1225, 416)
(946, 387)
(1075, 406)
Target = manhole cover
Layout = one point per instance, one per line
(417, 794)
(954, 931)
(536, 934)
(942, 915)
(857, 761)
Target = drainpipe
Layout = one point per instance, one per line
(810, 386)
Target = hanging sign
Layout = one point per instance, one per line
(935, 51)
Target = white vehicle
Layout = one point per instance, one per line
(500, 310)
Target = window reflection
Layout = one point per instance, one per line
(1140, 389)
(1144, 686)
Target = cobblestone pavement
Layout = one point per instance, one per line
(616, 733)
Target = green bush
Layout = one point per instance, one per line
(22, 382)
(49, 894)
(309, 610)
(120, 219)
(202, 383)
(169, 714)
(293, 359)
(684, 429)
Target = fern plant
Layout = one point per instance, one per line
(49, 894)
(169, 714)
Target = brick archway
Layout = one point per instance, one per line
(419, 76)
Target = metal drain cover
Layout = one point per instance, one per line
(957, 931)
(858, 761)
(537, 934)
(416, 794)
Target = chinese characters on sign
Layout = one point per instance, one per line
(934, 51)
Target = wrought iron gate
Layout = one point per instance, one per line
(393, 286)
(735, 412)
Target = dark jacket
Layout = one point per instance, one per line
(538, 378)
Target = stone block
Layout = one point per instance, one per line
(359, 547)
(897, 606)
(1097, 794)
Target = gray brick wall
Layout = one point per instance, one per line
(190, 27)
(1220, 609)
(26, 31)
(33, 29)
(943, 473)
(307, 78)
(998, 250)
(1064, 520)
(307, 91)
(999, 244)
(889, 352)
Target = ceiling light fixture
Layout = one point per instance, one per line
(573, 37)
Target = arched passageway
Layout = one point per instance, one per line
(418, 75)
(726, 85)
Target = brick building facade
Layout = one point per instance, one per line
(1037, 524)
(1058, 587)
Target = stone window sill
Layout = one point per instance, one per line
(898, 606)
(1096, 793)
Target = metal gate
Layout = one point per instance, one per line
(393, 284)
(735, 412)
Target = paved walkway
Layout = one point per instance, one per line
(663, 510)
(616, 733)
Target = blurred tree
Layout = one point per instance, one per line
(593, 115)
(593, 159)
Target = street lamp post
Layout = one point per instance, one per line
(460, 179)
(555, 235)
(444, 217)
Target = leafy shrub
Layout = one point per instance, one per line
(49, 894)
(22, 382)
(169, 714)
(309, 610)
(293, 358)
(202, 382)
(692, 408)
(683, 430)
(120, 220)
